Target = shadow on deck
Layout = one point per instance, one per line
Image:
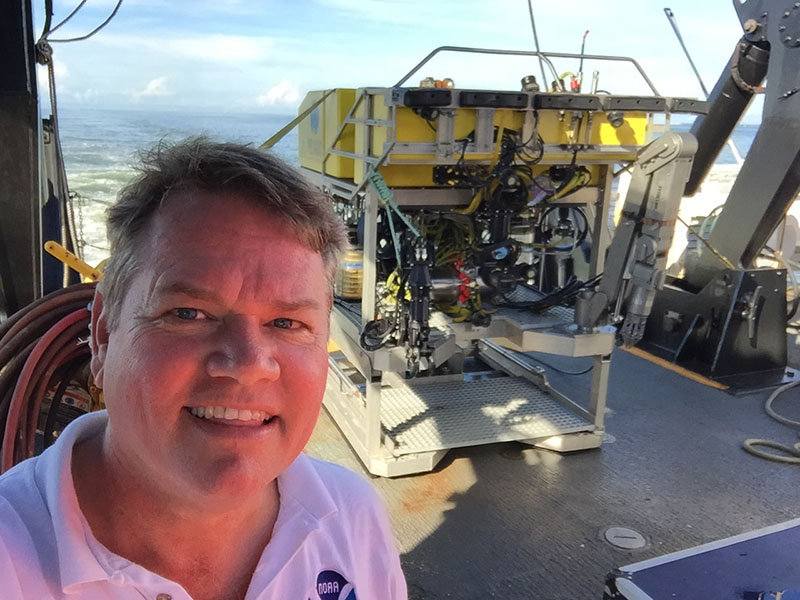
(510, 521)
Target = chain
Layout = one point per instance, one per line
(80, 243)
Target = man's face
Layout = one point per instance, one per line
(227, 313)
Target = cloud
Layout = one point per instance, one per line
(285, 92)
(218, 48)
(224, 48)
(86, 95)
(155, 88)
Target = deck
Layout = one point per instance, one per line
(514, 522)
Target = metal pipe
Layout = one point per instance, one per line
(536, 42)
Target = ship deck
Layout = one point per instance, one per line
(511, 521)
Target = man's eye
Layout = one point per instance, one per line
(188, 314)
(283, 323)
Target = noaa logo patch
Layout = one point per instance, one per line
(333, 586)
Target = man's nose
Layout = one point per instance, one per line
(245, 351)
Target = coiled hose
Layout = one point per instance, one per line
(791, 453)
(40, 346)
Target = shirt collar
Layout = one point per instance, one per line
(304, 502)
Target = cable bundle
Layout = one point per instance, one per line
(557, 297)
(42, 346)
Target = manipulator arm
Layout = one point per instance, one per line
(637, 256)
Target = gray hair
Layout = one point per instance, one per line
(199, 164)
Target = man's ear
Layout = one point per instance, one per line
(99, 338)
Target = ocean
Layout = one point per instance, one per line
(100, 146)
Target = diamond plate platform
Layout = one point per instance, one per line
(555, 315)
(425, 417)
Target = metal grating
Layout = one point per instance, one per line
(426, 417)
(557, 315)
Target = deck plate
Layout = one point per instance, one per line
(424, 417)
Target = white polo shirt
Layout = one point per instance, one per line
(331, 541)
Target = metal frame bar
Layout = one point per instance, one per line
(471, 50)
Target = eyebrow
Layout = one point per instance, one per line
(186, 289)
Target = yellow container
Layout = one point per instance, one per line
(317, 133)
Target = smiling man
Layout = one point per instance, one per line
(209, 339)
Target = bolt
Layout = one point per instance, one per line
(787, 39)
(750, 26)
(787, 14)
(782, 28)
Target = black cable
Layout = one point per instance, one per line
(557, 370)
(69, 372)
(376, 334)
(524, 154)
(554, 298)
(75, 10)
(91, 33)
(48, 17)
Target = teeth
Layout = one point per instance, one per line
(228, 413)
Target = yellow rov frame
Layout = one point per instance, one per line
(333, 142)
(398, 426)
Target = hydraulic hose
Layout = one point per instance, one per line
(13, 432)
(63, 350)
(36, 346)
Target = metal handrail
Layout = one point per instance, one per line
(545, 55)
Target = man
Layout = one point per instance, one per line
(209, 339)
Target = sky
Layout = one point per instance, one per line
(264, 55)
